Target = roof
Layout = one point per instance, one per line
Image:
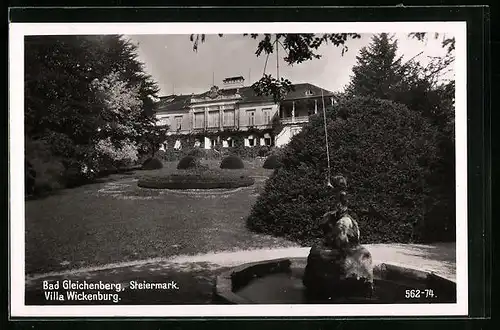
(301, 91)
(234, 78)
(173, 103)
(298, 92)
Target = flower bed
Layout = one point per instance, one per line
(209, 179)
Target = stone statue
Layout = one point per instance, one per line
(339, 266)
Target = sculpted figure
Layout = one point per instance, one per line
(340, 267)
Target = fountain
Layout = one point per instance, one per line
(338, 270)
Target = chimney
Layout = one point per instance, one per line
(234, 82)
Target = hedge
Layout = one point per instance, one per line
(152, 164)
(189, 162)
(389, 156)
(272, 162)
(209, 179)
(232, 162)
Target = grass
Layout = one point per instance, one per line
(115, 220)
(196, 179)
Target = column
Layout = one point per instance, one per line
(221, 118)
(205, 121)
(315, 106)
(331, 99)
(238, 119)
(192, 119)
(293, 111)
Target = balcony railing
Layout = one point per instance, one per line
(295, 120)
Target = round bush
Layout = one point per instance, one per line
(272, 162)
(152, 164)
(232, 162)
(388, 154)
(196, 180)
(189, 162)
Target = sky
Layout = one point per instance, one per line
(177, 69)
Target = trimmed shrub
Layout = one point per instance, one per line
(195, 179)
(189, 162)
(232, 162)
(272, 162)
(152, 164)
(388, 155)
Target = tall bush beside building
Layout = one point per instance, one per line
(388, 155)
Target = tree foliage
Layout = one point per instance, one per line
(83, 92)
(388, 154)
(378, 70)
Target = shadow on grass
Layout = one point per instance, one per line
(104, 177)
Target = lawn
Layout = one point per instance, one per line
(114, 221)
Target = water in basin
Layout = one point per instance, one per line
(287, 288)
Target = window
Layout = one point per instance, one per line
(229, 117)
(178, 122)
(251, 142)
(267, 141)
(213, 142)
(227, 143)
(309, 92)
(251, 117)
(199, 120)
(267, 116)
(213, 119)
(162, 121)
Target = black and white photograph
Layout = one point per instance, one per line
(277, 169)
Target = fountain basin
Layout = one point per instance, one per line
(279, 281)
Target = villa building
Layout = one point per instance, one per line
(236, 107)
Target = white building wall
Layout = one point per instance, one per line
(259, 113)
(284, 137)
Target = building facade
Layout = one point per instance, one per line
(236, 107)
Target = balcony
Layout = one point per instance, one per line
(295, 120)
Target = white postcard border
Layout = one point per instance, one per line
(17, 31)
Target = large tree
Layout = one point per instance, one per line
(378, 69)
(81, 90)
(422, 88)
